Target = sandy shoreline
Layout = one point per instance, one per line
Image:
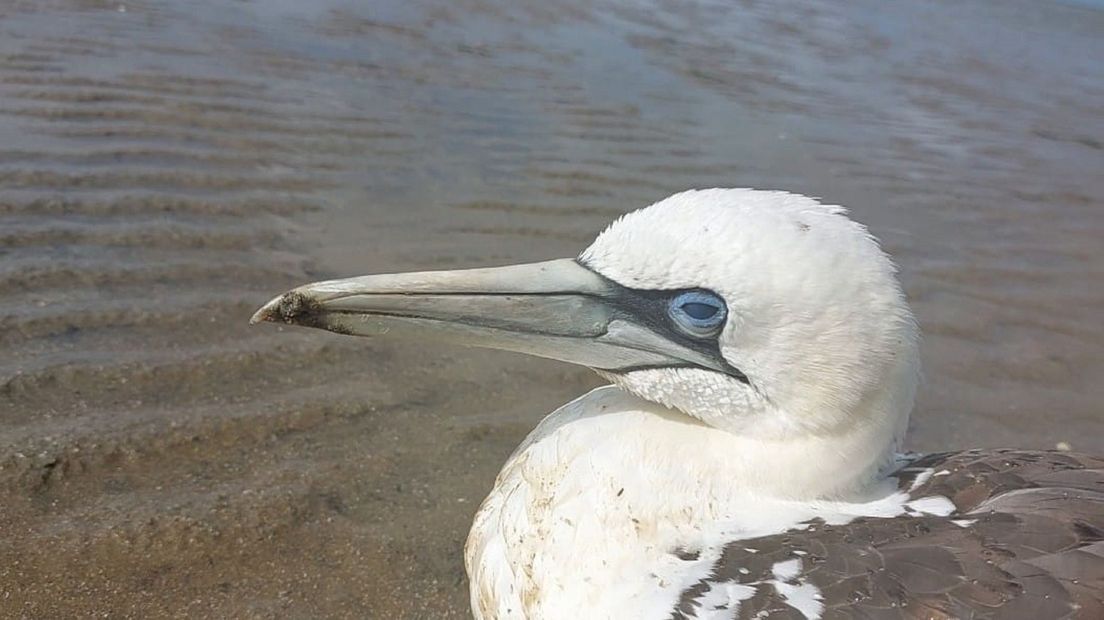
(163, 172)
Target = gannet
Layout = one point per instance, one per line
(744, 461)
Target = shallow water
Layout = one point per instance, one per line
(166, 168)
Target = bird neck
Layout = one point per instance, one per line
(842, 464)
(771, 451)
(774, 452)
(838, 460)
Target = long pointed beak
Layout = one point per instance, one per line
(556, 309)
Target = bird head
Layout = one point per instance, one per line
(762, 313)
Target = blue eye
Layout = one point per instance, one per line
(698, 313)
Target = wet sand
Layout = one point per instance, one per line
(165, 169)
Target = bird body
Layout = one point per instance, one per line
(615, 506)
(744, 461)
(587, 520)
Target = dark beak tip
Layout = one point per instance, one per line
(286, 308)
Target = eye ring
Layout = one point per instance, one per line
(697, 313)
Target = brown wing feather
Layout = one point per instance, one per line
(1032, 547)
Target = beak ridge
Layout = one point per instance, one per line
(555, 309)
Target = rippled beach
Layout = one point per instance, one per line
(166, 167)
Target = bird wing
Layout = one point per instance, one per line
(1026, 540)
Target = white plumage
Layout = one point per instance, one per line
(590, 515)
(764, 364)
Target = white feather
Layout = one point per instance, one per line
(591, 514)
